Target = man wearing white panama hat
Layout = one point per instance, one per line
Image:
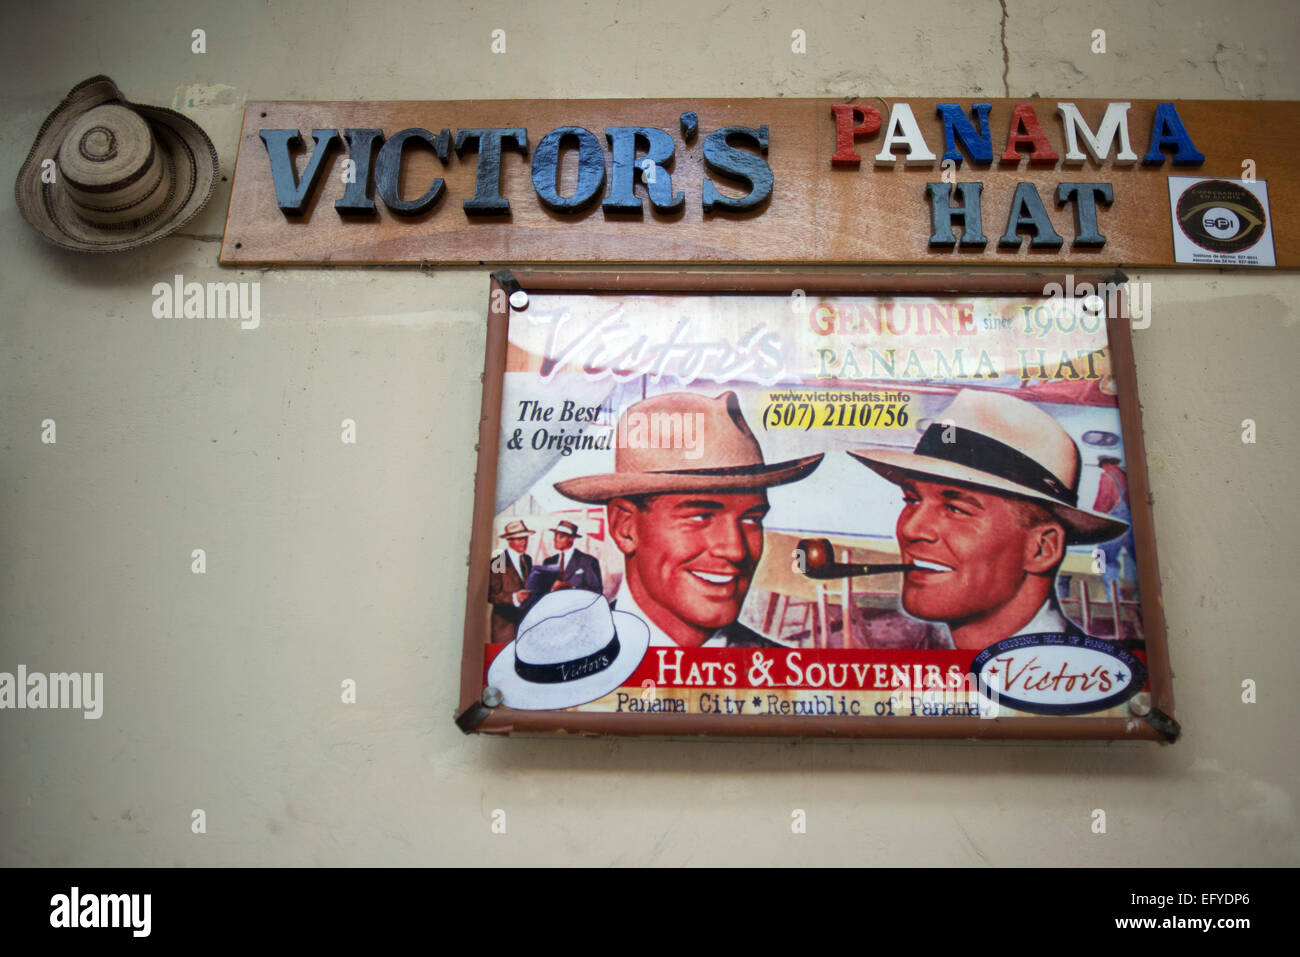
(990, 502)
(689, 521)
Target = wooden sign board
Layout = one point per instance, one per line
(894, 507)
(661, 162)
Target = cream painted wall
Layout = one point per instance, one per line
(328, 561)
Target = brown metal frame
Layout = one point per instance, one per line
(475, 716)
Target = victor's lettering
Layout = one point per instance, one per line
(612, 347)
(635, 152)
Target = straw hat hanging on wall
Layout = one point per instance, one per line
(124, 174)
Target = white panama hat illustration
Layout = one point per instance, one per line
(570, 649)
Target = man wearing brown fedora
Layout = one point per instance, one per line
(688, 519)
(990, 502)
(506, 592)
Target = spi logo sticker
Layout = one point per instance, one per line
(1221, 221)
(1057, 674)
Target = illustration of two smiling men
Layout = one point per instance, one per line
(990, 502)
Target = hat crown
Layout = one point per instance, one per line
(682, 431)
(100, 143)
(105, 147)
(1021, 425)
(564, 626)
(111, 168)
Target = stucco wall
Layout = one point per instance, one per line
(328, 561)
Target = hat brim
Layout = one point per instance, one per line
(516, 692)
(598, 489)
(181, 143)
(1082, 527)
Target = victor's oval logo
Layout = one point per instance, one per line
(1057, 673)
(1220, 216)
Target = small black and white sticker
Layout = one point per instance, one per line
(1221, 222)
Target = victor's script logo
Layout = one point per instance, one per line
(612, 346)
(1058, 673)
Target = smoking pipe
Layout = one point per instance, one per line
(818, 562)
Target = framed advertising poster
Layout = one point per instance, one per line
(813, 506)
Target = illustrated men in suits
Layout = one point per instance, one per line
(571, 568)
(506, 592)
(688, 516)
(990, 502)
